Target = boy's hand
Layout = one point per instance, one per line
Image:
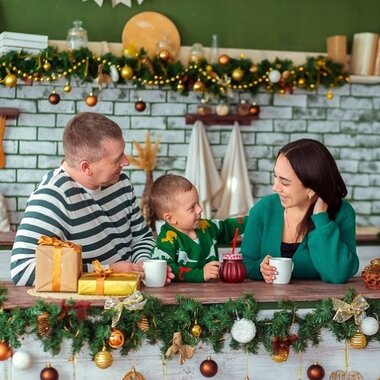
(211, 270)
(169, 275)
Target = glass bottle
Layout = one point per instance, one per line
(77, 36)
(197, 53)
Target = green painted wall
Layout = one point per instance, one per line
(297, 25)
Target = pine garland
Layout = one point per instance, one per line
(215, 320)
(218, 79)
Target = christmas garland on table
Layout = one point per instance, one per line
(208, 323)
(217, 79)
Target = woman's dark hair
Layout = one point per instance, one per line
(316, 168)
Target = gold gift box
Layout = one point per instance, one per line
(113, 284)
(58, 265)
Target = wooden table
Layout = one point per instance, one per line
(220, 292)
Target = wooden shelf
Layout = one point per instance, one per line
(214, 119)
(10, 113)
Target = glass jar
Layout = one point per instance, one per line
(222, 109)
(233, 269)
(243, 108)
(204, 108)
(197, 53)
(77, 36)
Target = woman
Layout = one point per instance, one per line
(306, 219)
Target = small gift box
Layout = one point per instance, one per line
(108, 283)
(58, 265)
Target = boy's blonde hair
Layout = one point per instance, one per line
(164, 191)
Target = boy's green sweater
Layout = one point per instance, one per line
(187, 257)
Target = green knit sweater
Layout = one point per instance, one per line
(328, 252)
(187, 257)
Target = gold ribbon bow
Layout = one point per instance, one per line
(55, 242)
(135, 301)
(185, 351)
(345, 311)
(99, 270)
(57, 257)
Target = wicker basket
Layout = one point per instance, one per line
(371, 274)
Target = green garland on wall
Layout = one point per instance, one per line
(219, 79)
(52, 323)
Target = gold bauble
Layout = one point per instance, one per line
(281, 355)
(301, 82)
(285, 74)
(10, 80)
(126, 72)
(164, 55)
(198, 86)
(196, 330)
(209, 69)
(224, 59)
(237, 74)
(358, 340)
(130, 51)
(91, 100)
(253, 69)
(133, 375)
(116, 339)
(5, 350)
(47, 66)
(67, 88)
(180, 87)
(329, 95)
(103, 359)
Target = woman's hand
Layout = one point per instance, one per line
(268, 272)
(320, 206)
(126, 266)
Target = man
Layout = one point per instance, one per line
(88, 201)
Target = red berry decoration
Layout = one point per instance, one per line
(315, 372)
(140, 105)
(208, 367)
(54, 98)
(49, 373)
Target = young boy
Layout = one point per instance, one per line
(187, 242)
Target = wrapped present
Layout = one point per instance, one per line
(107, 282)
(58, 265)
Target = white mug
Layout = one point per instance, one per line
(284, 266)
(155, 273)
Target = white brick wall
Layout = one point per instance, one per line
(348, 124)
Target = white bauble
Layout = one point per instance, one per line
(369, 326)
(21, 360)
(243, 330)
(274, 76)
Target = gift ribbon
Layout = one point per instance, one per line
(345, 311)
(57, 257)
(135, 301)
(185, 351)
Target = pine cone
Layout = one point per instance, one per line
(143, 324)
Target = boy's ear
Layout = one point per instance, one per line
(169, 218)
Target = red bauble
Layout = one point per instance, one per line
(91, 100)
(54, 98)
(233, 269)
(254, 110)
(5, 350)
(208, 367)
(315, 372)
(49, 373)
(140, 105)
